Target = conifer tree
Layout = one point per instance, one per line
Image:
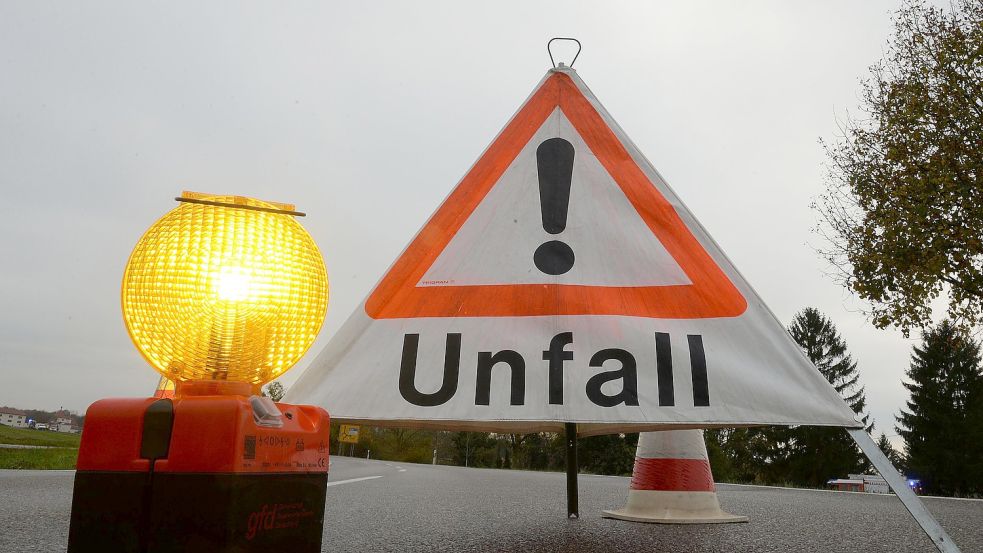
(942, 424)
(813, 455)
(890, 452)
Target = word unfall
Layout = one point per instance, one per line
(555, 357)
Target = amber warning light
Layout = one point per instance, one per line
(225, 288)
(221, 295)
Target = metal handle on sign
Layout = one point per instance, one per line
(550, 43)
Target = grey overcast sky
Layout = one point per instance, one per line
(365, 115)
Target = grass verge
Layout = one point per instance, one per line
(39, 459)
(29, 436)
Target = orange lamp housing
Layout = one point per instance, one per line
(221, 295)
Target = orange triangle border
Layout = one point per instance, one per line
(709, 294)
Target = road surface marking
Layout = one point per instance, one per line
(840, 491)
(350, 480)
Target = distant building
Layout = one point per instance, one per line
(63, 423)
(873, 483)
(13, 417)
(869, 483)
(846, 485)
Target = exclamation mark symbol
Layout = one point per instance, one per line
(554, 159)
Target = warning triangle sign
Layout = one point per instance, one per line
(562, 280)
(556, 219)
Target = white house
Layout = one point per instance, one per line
(63, 422)
(13, 417)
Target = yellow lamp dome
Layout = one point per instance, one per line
(225, 288)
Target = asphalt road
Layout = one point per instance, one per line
(383, 506)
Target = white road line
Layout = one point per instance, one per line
(795, 489)
(350, 480)
(841, 491)
(402, 470)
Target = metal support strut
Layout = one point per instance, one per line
(573, 510)
(918, 511)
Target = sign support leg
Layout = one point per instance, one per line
(900, 487)
(573, 510)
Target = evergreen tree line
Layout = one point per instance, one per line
(942, 427)
(612, 454)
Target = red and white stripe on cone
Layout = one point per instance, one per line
(672, 482)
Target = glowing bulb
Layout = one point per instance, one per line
(233, 284)
(225, 288)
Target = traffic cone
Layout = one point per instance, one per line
(165, 388)
(672, 482)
